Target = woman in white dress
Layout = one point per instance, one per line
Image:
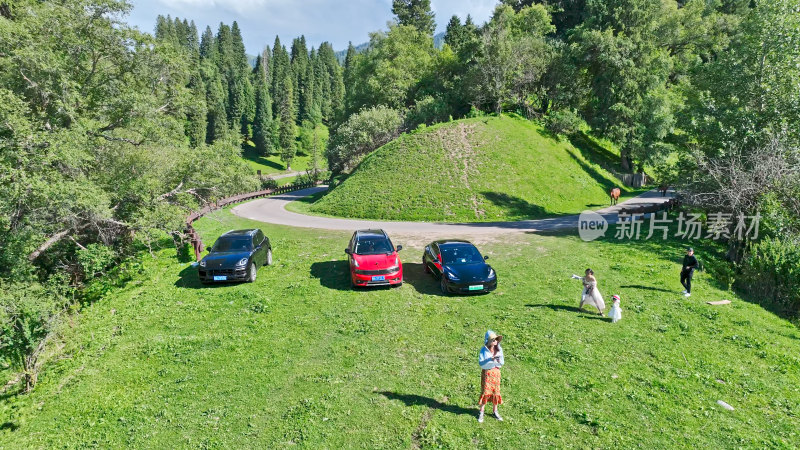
(591, 295)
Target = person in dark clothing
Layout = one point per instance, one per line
(689, 264)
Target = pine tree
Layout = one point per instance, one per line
(217, 118)
(286, 134)
(196, 117)
(262, 123)
(266, 61)
(299, 64)
(415, 13)
(349, 76)
(334, 105)
(207, 47)
(238, 54)
(280, 69)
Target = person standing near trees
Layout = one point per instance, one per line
(689, 264)
(491, 360)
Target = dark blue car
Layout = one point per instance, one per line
(236, 256)
(460, 267)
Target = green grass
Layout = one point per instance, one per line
(298, 358)
(483, 169)
(272, 164)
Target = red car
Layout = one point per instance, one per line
(374, 260)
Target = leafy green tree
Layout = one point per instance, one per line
(513, 58)
(415, 13)
(362, 133)
(389, 71)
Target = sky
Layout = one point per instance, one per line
(338, 22)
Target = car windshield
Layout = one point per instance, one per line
(461, 254)
(373, 246)
(232, 245)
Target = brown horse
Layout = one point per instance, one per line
(614, 194)
(663, 189)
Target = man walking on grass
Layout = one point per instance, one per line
(689, 264)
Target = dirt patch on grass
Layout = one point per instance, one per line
(459, 147)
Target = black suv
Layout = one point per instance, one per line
(236, 256)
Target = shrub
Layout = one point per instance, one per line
(28, 314)
(359, 135)
(770, 271)
(563, 122)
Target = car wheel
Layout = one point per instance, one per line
(251, 273)
(427, 269)
(269, 256)
(443, 287)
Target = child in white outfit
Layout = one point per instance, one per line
(616, 311)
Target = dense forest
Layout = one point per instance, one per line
(109, 135)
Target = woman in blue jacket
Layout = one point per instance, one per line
(491, 360)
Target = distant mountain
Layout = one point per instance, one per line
(252, 60)
(438, 42)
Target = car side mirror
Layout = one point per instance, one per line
(399, 247)
(347, 250)
(486, 257)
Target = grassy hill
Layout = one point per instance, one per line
(298, 358)
(483, 169)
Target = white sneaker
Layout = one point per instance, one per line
(480, 417)
(684, 292)
(497, 416)
(687, 294)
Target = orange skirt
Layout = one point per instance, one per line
(490, 387)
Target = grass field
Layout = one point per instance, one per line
(272, 164)
(483, 169)
(298, 358)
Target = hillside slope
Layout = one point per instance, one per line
(482, 169)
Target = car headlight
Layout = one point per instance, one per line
(202, 263)
(393, 269)
(355, 263)
(242, 262)
(452, 276)
(491, 272)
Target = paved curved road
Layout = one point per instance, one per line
(273, 210)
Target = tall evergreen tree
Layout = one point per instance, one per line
(217, 125)
(279, 70)
(238, 56)
(207, 46)
(286, 113)
(262, 123)
(416, 13)
(299, 63)
(333, 104)
(349, 76)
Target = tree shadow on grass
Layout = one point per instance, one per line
(649, 288)
(516, 206)
(418, 400)
(332, 274)
(424, 283)
(11, 426)
(251, 155)
(594, 152)
(556, 307)
(596, 175)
